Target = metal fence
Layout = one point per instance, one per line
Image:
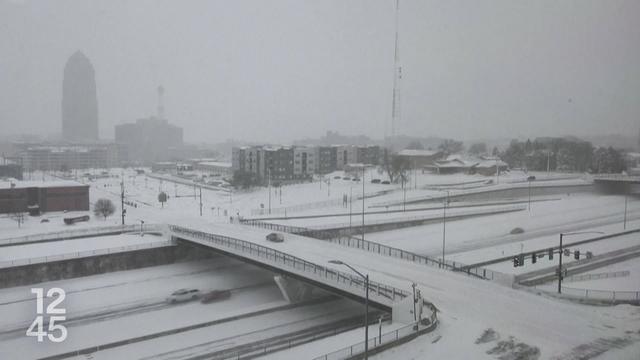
(83, 232)
(349, 241)
(590, 294)
(312, 205)
(311, 270)
(602, 294)
(385, 339)
(82, 254)
(606, 275)
(451, 216)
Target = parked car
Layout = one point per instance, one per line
(336, 177)
(346, 178)
(531, 178)
(386, 182)
(215, 295)
(275, 237)
(355, 179)
(183, 295)
(375, 181)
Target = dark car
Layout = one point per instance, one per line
(386, 182)
(346, 178)
(275, 237)
(215, 295)
(531, 178)
(375, 181)
(336, 177)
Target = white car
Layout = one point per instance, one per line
(183, 295)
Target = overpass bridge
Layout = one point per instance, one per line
(617, 183)
(322, 275)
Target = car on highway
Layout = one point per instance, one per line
(275, 237)
(215, 295)
(183, 295)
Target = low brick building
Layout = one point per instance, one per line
(47, 196)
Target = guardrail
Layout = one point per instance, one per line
(590, 294)
(450, 216)
(463, 192)
(313, 205)
(602, 294)
(76, 233)
(82, 254)
(606, 275)
(374, 247)
(312, 270)
(385, 339)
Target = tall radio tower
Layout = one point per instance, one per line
(397, 79)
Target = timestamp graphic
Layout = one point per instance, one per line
(47, 323)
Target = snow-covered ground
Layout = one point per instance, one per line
(469, 306)
(548, 218)
(30, 251)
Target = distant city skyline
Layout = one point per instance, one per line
(293, 69)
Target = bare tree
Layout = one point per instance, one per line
(162, 198)
(104, 208)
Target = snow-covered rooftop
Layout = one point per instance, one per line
(412, 152)
(20, 184)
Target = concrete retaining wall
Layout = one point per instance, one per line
(524, 192)
(72, 268)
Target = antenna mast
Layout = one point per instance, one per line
(397, 78)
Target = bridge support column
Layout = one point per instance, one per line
(403, 311)
(293, 290)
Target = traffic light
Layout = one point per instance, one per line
(567, 252)
(576, 254)
(516, 261)
(521, 259)
(589, 254)
(534, 258)
(550, 254)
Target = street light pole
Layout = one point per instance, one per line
(269, 171)
(350, 207)
(366, 304)
(626, 195)
(123, 210)
(200, 200)
(363, 205)
(444, 225)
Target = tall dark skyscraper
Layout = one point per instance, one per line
(79, 100)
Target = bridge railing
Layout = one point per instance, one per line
(82, 232)
(382, 340)
(337, 237)
(82, 254)
(253, 250)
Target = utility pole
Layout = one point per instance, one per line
(350, 206)
(123, 210)
(626, 195)
(200, 200)
(363, 205)
(269, 171)
(444, 225)
(404, 196)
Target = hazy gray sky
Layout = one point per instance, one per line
(282, 69)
